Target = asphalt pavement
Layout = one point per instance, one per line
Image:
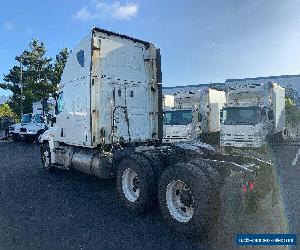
(70, 210)
(287, 157)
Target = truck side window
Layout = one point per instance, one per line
(59, 103)
(80, 57)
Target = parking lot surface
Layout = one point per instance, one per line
(69, 210)
(288, 169)
(66, 209)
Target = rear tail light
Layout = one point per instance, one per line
(251, 185)
(248, 186)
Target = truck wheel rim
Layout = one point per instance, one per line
(130, 185)
(180, 201)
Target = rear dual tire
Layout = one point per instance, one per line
(185, 194)
(136, 184)
(185, 199)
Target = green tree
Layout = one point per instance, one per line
(59, 65)
(6, 111)
(292, 113)
(290, 93)
(40, 76)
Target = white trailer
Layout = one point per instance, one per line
(195, 114)
(109, 124)
(255, 112)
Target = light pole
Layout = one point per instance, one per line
(20, 58)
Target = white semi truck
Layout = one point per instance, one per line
(30, 131)
(109, 124)
(195, 115)
(254, 113)
(177, 122)
(15, 129)
(32, 125)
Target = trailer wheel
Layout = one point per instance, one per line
(136, 183)
(46, 156)
(185, 199)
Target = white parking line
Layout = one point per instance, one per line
(296, 158)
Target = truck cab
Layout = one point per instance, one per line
(195, 115)
(243, 126)
(35, 124)
(33, 129)
(178, 125)
(16, 129)
(254, 113)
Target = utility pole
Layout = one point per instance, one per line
(20, 59)
(21, 83)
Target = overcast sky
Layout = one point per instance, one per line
(201, 41)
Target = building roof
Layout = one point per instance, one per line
(195, 85)
(262, 78)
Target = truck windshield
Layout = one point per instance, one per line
(178, 117)
(26, 118)
(38, 118)
(241, 115)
